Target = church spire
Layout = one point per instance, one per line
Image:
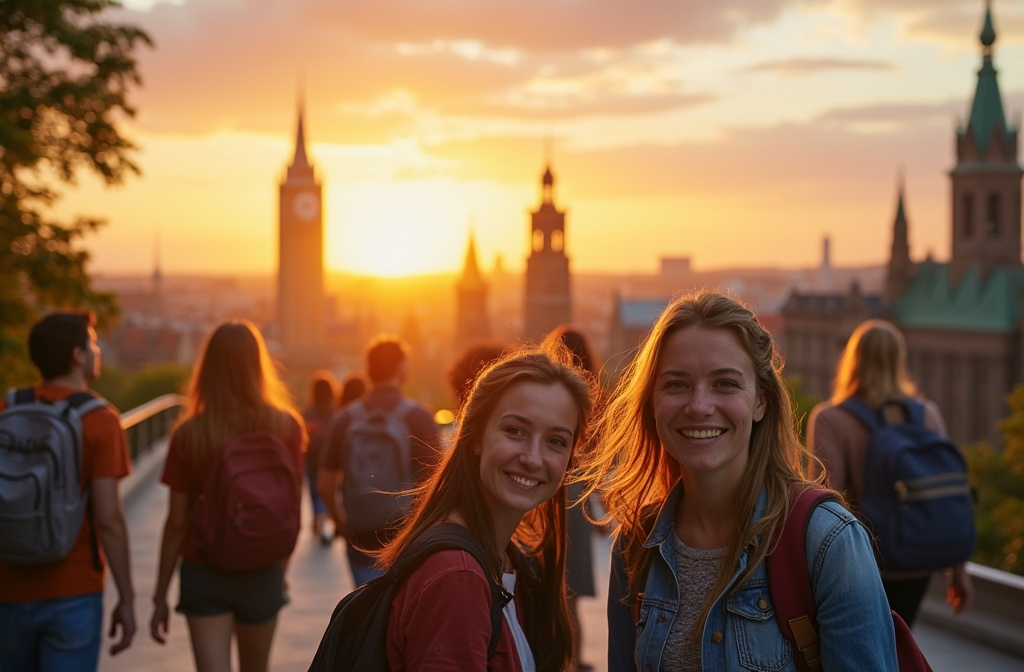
(300, 135)
(471, 276)
(901, 269)
(987, 116)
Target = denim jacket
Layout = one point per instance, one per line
(854, 622)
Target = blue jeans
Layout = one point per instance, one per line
(63, 633)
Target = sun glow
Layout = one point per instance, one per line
(394, 229)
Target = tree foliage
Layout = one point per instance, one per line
(64, 81)
(998, 476)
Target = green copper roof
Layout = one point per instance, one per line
(987, 108)
(991, 304)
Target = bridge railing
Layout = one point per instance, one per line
(152, 421)
(995, 618)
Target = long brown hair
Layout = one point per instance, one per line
(455, 487)
(636, 474)
(873, 365)
(234, 388)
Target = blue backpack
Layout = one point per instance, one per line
(917, 500)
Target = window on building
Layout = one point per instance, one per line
(993, 215)
(968, 215)
(538, 240)
(556, 241)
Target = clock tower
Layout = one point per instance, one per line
(301, 303)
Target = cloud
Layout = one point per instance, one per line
(800, 67)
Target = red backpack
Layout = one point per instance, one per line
(247, 515)
(796, 613)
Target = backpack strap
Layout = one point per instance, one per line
(82, 401)
(863, 412)
(789, 584)
(912, 408)
(447, 536)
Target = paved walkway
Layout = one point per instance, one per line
(319, 576)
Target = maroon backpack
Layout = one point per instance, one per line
(247, 515)
(790, 586)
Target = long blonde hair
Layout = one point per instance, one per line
(234, 388)
(455, 486)
(636, 474)
(874, 365)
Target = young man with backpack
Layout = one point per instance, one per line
(377, 447)
(52, 599)
(885, 448)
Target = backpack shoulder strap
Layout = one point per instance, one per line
(448, 536)
(22, 395)
(862, 412)
(789, 584)
(84, 402)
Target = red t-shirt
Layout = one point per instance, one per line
(441, 619)
(183, 474)
(104, 455)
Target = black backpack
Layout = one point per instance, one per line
(917, 500)
(356, 638)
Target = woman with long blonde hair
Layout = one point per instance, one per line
(501, 479)
(235, 389)
(697, 457)
(873, 370)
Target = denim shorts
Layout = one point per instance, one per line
(252, 596)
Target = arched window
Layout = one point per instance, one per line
(968, 215)
(993, 215)
(556, 241)
(538, 240)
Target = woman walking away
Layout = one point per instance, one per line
(697, 459)
(235, 396)
(873, 371)
(317, 417)
(502, 481)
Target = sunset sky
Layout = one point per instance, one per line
(738, 132)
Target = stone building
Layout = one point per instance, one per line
(472, 322)
(548, 298)
(962, 318)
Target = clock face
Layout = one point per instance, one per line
(306, 206)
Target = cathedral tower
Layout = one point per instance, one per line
(548, 301)
(472, 323)
(300, 270)
(986, 181)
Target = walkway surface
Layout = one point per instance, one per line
(319, 576)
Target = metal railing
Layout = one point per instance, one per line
(150, 422)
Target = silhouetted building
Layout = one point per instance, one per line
(548, 299)
(301, 306)
(471, 316)
(963, 320)
(631, 320)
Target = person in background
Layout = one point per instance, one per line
(51, 615)
(502, 480)
(235, 389)
(470, 361)
(353, 387)
(323, 393)
(386, 364)
(697, 457)
(579, 576)
(873, 369)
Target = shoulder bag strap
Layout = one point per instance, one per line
(789, 583)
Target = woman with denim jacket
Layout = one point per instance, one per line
(696, 460)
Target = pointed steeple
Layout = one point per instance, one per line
(900, 270)
(987, 116)
(300, 135)
(471, 276)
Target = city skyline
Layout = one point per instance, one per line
(741, 135)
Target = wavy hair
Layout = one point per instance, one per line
(873, 365)
(635, 474)
(455, 487)
(235, 388)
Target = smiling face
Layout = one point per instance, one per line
(525, 448)
(705, 402)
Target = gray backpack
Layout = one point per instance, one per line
(378, 467)
(41, 501)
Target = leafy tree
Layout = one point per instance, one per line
(64, 80)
